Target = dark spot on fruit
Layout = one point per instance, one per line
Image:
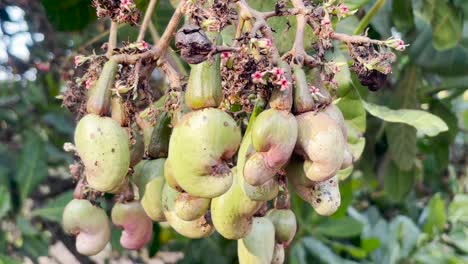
(113, 150)
(95, 163)
(318, 200)
(225, 123)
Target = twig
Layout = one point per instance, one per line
(146, 19)
(355, 39)
(112, 38)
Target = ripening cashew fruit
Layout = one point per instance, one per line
(324, 196)
(118, 112)
(258, 246)
(264, 192)
(232, 212)
(204, 84)
(158, 145)
(99, 100)
(303, 101)
(89, 224)
(197, 228)
(189, 208)
(274, 135)
(150, 182)
(103, 146)
(322, 145)
(278, 254)
(285, 224)
(137, 226)
(283, 99)
(200, 144)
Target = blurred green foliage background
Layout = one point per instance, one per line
(405, 201)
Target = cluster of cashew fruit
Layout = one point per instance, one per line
(200, 172)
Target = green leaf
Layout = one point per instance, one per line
(72, 15)
(5, 201)
(35, 246)
(370, 244)
(424, 122)
(355, 252)
(458, 209)
(401, 140)
(353, 111)
(447, 25)
(398, 183)
(434, 216)
(162, 14)
(402, 14)
(407, 234)
(355, 4)
(459, 237)
(53, 209)
(32, 166)
(297, 254)
(451, 62)
(8, 260)
(341, 228)
(322, 252)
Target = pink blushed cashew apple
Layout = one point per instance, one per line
(103, 146)
(274, 135)
(201, 143)
(89, 224)
(137, 226)
(321, 143)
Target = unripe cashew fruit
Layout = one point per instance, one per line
(321, 143)
(189, 208)
(150, 182)
(197, 228)
(285, 224)
(258, 246)
(278, 254)
(99, 100)
(137, 146)
(158, 146)
(204, 84)
(232, 212)
(118, 111)
(137, 226)
(324, 196)
(303, 101)
(200, 143)
(103, 146)
(274, 135)
(89, 224)
(264, 192)
(335, 113)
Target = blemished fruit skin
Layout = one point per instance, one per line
(232, 212)
(285, 224)
(274, 136)
(150, 181)
(200, 144)
(321, 143)
(198, 228)
(324, 196)
(99, 100)
(137, 226)
(258, 246)
(89, 224)
(189, 208)
(103, 147)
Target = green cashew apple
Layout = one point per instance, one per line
(103, 146)
(150, 182)
(189, 208)
(324, 196)
(197, 228)
(274, 135)
(89, 224)
(321, 143)
(158, 146)
(285, 224)
(204, 84)
(99, 100)
(201, 143)
(232, 212)
(303, 101)
(278, 254)
(137, 226)
(258, 246)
